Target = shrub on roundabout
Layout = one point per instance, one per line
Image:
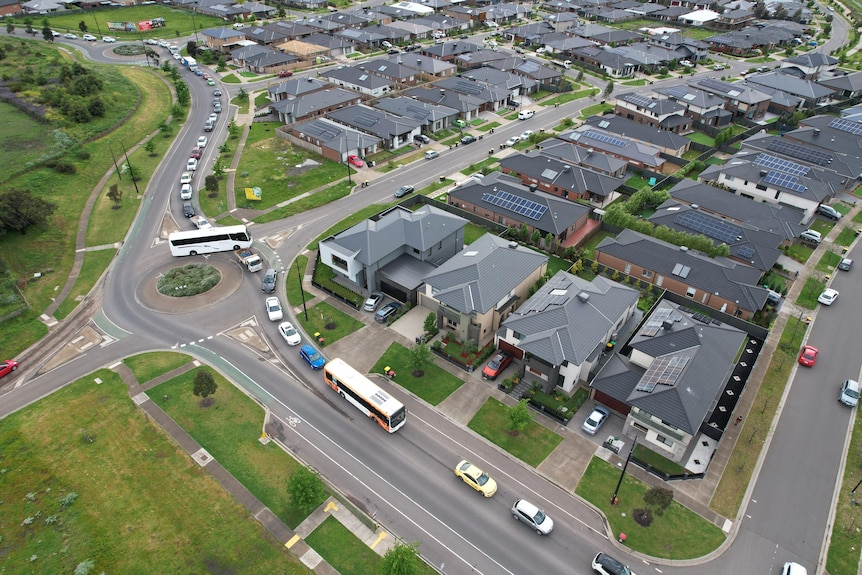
(190, 279)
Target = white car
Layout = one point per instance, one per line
(70, 36)
(213, 118)
(273, 309)
(525, 114)
(526, 135)
(203, 224)
(109, 39)
(828, 296)
(176, 56)
(186, 192)
(163, 43)
(202, 142)
(289, 333)
(186, 178)
(89, 38)
(512, 141)
(192, 164)
(151, 42)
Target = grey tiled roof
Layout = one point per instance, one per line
(561, 174)
(568, 152)
(641, 132)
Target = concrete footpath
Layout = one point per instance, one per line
(377, 539)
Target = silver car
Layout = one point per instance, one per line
(535, 518)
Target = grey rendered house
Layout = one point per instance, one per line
(563, 329)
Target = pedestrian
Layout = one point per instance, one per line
(738, 419)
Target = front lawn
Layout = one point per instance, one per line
(434, 386)
(332, 324)
(531, 446)
(810, 292)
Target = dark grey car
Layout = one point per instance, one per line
(188, 209)
(267, 284)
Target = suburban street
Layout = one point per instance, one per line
(405, 480)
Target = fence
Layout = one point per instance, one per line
(665, 476)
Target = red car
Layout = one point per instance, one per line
(808, 356)
(205, 76)
(285, 74)
(356, 161)
(496, 366)
(7, 367)
(196, 153)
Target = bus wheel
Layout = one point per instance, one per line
(236, 248)
(193, 253)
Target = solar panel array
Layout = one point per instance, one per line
(640, 100)
(746, 252)
(655, 322)
(547, 297)
(365, 118)
(678, 92)
(605, 138)
(716, 85)
(681, 270)
(516, 204)
(711, 227)
(800, 152)
(785, 166)
(663, 370)
(848, 126)
(784, 180)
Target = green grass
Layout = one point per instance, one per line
(322, 197)
(701, 138)
(119, 520)
(843, 554)
(479, 166)
(556, 264)
(229, 430)
(292, 283)
(828, 262)
(822, 226)
(322, 314)
(531, 446)
(590, 246)
(434, 386)
(658, 461)
(799, 252)
(21, 138)
(473, 232)
(94, 265)
(596, 110)
(341, 549)
(810, 292)
(148, 366)
(846, 236)
(676, 534)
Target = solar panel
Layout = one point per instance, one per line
(365, 119)
(716, 85)
(639, 100)
(784, 180)
(663, 370)
(785, 166)
(681, 271)
(709, 226)
(605, 138)
(678, 92)
(746, 252)
(653, 325)
(799, 152)
(854, 128)
(516, 204)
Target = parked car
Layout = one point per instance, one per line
(192, 164)
(403, 191)
(459, 123)
(512, 141)
(829, 212)
(109, 39)
(151, 42)
(217, 108)
(422, 139)
(273, 309)
(356, 161)
(468, 139)
(387, 311)
(828, 296)
(525, 114)
(196, 153)
(808, 356)
(595, 420)
(203, 224)
(267, 284)
(525, 135)
(791, 568)
(217, 93)
(374, 300)
(312, 357)
(496, 366)
(285, 74)
(811, 236)
(7, 367)
(289, 333)
(203, 141)
(185, 192)
(198, 72)
(213, 118)
(476, 478)
(685, 64)
(535, 518)
(845, 264)
(607, 565)
(188, 210)
(849, 392)
(210, 82)
(718, 67)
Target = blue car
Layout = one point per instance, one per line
(312, 356)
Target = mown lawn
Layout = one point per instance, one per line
(322, 315)
(434, 386)
(531, 446)
(148, 366)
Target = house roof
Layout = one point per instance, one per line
(657, 106)
(311, 103)
(559, 174)
(692, 360)
(483, 274)
(356, 77)
(568, 318)
(812, 60)
(641, 132)
(692, 96)
(572, 154)
(595, 138)
(421, 111)
(373, 121)
(843, 163)
(334, 136)
(850, 82)
(731, 280)
(788, 84)
(829, 133)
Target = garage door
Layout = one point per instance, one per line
(393, 291)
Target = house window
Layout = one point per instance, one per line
(665, 440)
(760, 187)
(690, 292)
(339, 262)
(628, 269)
(659, 280)
(729, 178)
(646, 273)
(639, 427)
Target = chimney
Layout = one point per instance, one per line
(683, 248)
(763, 173)
(513, 245)
(694, 206)
(816, 131)
(583, 296)
(667, 325)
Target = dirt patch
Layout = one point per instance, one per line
(302, 168)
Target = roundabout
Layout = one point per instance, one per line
(147, 293)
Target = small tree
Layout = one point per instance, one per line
(306, 489)
(115, 194)
(519, 417)
(242, 96)
(430, 325)
(420, 358)
(218, 168)
(211, 185)
(82, 26)
(609, 88)
(402, 559)
(204, 386)
(47, 35)
(150, 147)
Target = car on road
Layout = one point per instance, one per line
(845, 264)
(176, 56)
(403, 191)
(70, 36)
(217, 93)
(512, 141)
(535, 518)
(808, 356)
(496, 366)
(459, 123)
(273, 309)
(192, 164)
(289, 333)
(198, 72)
(468, 139)
(791, 568)
(109, 39)
(387, 311)
(188, 210)
(164, 43)
(210, 82)
(185, 192)
(475, 478)
(285, 74)
(374, 300)
(525, 135)
(312, 357)
(89, 38)
(718, 67)
(7, 367)
(607, 565)
(828, 296)
(203, 141)
(217, 107)
(203, 224)
(213, 118)
(595, 419)
(186, 178)
(151, 42)
(355, 161)
(196, 153)
(829, 212)
(525, 114)
(849, 392)
(431, 154)
(267, 284)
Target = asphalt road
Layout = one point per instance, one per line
(406, 480)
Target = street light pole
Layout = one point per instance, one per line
(614, 498)
(301, 291)
(131, 171)
(349, 181)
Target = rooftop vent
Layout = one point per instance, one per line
(533, 187)
(816, 131)
(694, 206)
(583, 296)
(683, 248)
(513, 245)
(667, 325)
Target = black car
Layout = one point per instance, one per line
(188, 209)
(468, 140)
(403, 191)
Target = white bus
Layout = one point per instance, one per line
(209, 240)
(388, 412)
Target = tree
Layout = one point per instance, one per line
(519, 417)
(430, 325)
(218, 168)
(20, 209)
(82, 26)
(47, 35)
(204, 386)
(211, 185)
(115, 194)
(233, 130)
(401, 559)
(150, 147)
(306, 489)
(242, 96)
(609, 88)
(10, 26)
(420, 358)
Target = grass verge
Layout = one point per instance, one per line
(434, 386)
(322, 315)
(531, 446)
(94, 265)
(810, 292)
(148, 366)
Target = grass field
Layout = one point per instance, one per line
(531, 446)
(436, 385)
(188, 524)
